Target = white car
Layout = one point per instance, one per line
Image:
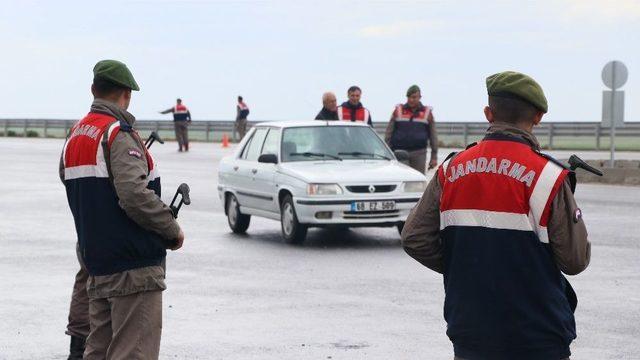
(315, 174)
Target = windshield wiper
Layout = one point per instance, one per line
(358, 153)
(308, 154)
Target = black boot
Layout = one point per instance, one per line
(77, 348)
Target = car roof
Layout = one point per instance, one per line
(310, 123)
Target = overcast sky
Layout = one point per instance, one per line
(282, 55)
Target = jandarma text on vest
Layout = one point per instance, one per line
(86, 130)
(483, 165)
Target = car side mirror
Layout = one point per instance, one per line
(401, 155)
(268, 158)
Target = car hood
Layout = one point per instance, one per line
(351, 171)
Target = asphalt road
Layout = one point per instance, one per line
(349, 295)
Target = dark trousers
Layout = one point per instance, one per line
(182, 134)
(240, 128)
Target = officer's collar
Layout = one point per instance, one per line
(514, 132)
(420, 107)
(112, 109)
(351, 106)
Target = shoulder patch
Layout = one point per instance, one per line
(577, 215)
(135, 153)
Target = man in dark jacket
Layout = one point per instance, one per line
(500, 222)
(329, 107)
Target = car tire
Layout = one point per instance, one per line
(238, 222)
(400, 226)
(292, 231)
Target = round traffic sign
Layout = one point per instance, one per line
(614, 74)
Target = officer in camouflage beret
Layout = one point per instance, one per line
(500, 222)
(123, 227)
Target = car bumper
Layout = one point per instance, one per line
(319, 212)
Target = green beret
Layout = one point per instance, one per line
(412, 90)
(116, 72)
(517, 85)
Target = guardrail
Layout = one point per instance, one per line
(556, 135)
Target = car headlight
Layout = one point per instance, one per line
(415, 186)
(324, 189)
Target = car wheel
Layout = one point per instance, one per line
(400, 226)
(238, 222)
(292, 231)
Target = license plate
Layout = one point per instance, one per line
(373, 206)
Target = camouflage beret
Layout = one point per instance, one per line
(115, 72)
(412, 90)
(513, 84)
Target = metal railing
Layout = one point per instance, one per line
(556, 135)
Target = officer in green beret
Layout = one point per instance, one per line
(411, 128)
(123, 227)
(500, 222)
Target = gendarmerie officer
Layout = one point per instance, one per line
(500, 222)
(123, 227)
(411, 128)
(181, 122)
(353, 110)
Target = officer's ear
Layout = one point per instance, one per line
(537, 118)
(488, 113)
(125, 99)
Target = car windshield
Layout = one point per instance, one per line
(332, 143)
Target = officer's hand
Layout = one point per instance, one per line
(179, 241)
(433, 163)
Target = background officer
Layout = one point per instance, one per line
(411, 128)
(353, 110)
(242, 112)
(123, 227)
(500, 222)
(181, 122)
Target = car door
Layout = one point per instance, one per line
(248, 195)
(265, 174)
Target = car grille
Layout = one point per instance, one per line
(365, 188)
(370, 214)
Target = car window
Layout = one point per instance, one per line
(271, 143)
(253, 150)
(243, 155)
(331, 142)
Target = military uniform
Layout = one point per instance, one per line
(411, 129)
(181, 122)
(123, 228)
(500, 222)
(240, 126)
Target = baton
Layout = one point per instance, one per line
(183, 190)
(153, 137)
